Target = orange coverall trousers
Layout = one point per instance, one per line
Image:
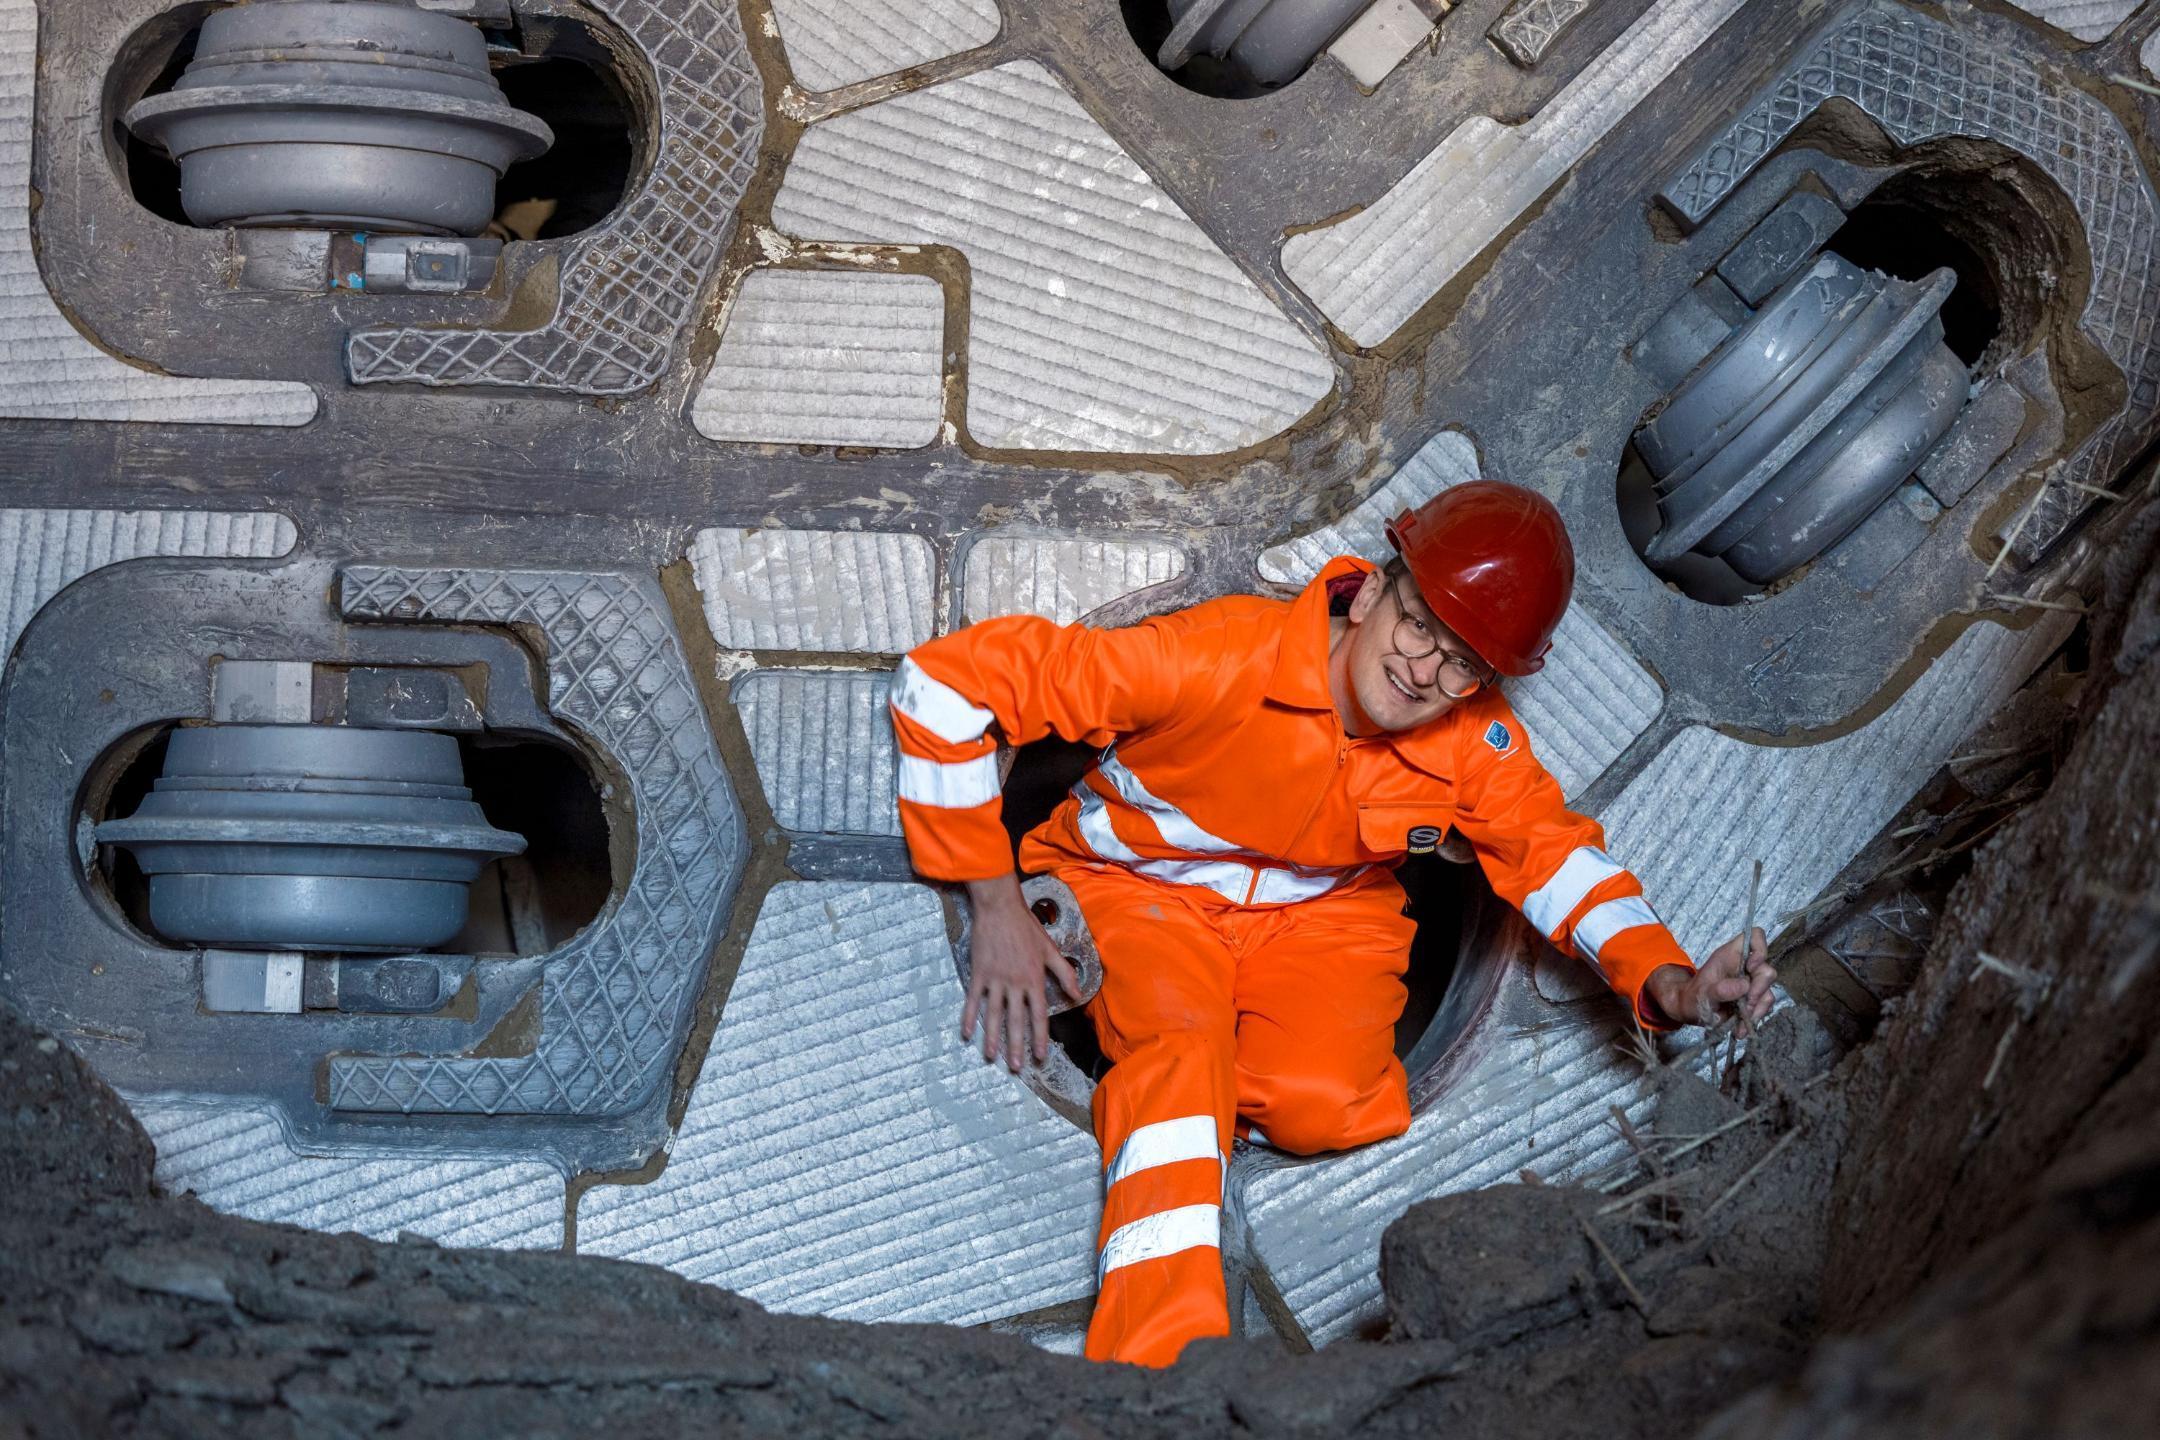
(1219, 1017)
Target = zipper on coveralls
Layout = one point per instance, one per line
(1342, 756)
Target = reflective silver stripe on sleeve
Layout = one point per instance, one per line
(1550, 904)
(961, 785)
(936, 706)
(1188, 1227)
(1607, 920)
(1189, 1137)
(1176, 826)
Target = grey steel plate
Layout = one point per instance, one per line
(1101, 318)
(816, 589)
(44, 551)
(844, 1152)
(823, 743)
(828, 357)
(1371, 272)
(1060, 577)
(831, 43)
(238, 1159)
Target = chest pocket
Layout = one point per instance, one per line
(1391, 829)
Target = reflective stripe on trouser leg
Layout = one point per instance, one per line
(1159, 1258)
(1165, 1020)
(1189, 1137)
(1166, 1232)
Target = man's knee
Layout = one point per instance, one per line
(1197, 1063)
(1309, 1114)
(1173, 1068)
(1183, 1026)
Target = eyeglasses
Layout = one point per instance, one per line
(1414, 640)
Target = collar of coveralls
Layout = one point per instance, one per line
(1301, 671)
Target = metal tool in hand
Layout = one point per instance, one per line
(1747, 926)
(1747, 969)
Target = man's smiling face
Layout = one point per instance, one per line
(1396, 690)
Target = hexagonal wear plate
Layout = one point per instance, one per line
(615, 1002)
(1922, 80)
(631, 285)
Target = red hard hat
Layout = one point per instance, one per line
(1494, 562)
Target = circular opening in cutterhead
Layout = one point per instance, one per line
(1043, 773)
(536, 902)
(557, 68)
(150, 62)
(577, 85)
(1897, 235)
(1443, 896)
(1233, 50)
(1765, 458)
(1704, 578)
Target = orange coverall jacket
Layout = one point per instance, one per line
(1225, 766)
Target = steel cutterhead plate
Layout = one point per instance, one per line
(907, 316)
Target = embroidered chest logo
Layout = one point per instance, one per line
(1423, 839)
(1497, 736)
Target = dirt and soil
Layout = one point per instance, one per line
(1952, 1229)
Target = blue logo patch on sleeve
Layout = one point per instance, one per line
(1496, 735)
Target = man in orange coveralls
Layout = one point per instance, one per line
(1265, 766)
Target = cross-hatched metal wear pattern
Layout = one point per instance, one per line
(630, 286)
(1922, 80)
(615, 1001)
(1529, 27)
(840, 1150)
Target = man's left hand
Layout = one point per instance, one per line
(1704, 996)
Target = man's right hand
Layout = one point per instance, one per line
(1009, 953)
